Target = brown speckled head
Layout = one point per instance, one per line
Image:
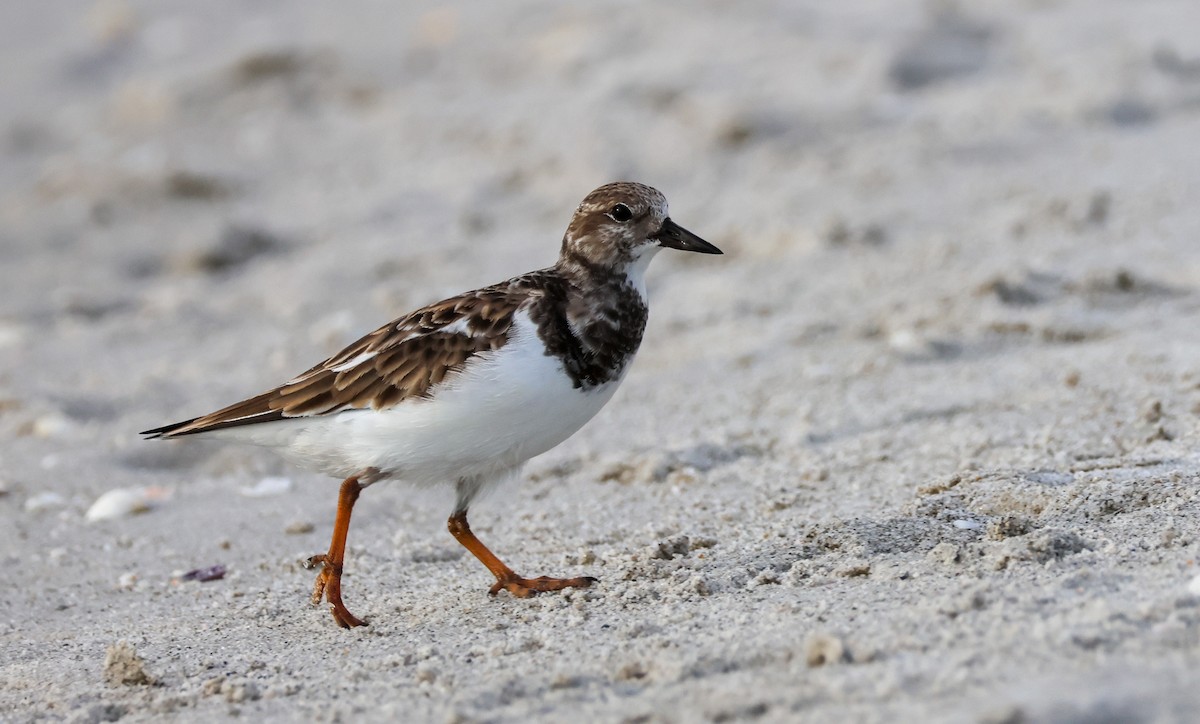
(618, 223)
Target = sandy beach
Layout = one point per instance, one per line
(923, 445)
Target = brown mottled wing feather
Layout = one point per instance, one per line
(404, 359)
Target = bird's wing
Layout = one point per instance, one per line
(404, 359)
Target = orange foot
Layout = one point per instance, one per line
(526, 587)
(329, 587)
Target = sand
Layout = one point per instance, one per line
(922, 446)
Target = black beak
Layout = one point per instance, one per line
(674, 236)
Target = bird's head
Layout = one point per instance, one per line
(622, 223)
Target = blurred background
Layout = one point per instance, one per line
(143, 139)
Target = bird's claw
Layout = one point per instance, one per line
(526, 587)
(328, 586)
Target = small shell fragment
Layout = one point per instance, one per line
(44, 501)
(967, 524)
(53, 425)
(212, 573)
(116, 503)
(267, 487)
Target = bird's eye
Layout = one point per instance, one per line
(621, 213)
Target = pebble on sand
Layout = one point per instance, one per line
(123, 666)
(823, 649)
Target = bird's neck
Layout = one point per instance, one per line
(603, 312)
(588, 278)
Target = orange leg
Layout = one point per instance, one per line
(329, 580)
(505, 577)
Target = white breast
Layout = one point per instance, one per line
(504, 408)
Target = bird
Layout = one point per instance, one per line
(464, 391)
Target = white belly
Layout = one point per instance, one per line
(505, 408)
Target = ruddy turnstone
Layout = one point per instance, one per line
(466, 390)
